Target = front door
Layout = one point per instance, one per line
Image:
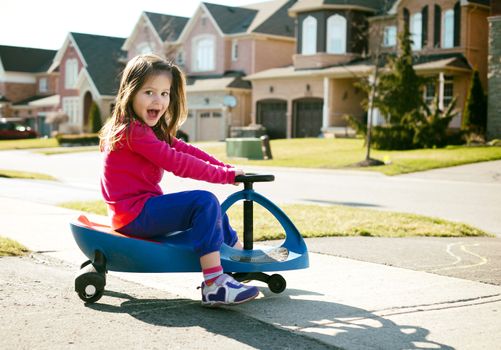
(307, 117)
(272, 114)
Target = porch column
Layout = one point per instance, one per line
(288, 117)
(327, 104)
(441, 82)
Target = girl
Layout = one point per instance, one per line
(138, 143)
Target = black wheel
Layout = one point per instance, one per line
(276, 283)
(89, 284)
(90, 293)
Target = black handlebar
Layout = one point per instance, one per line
(250, 178)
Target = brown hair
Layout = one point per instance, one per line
(137, 71)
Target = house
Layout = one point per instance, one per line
(216, 48)
(89, 71)
(27, 90)
(336, 43)
(494, 72)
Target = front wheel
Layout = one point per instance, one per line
(90, 294)
(277, 283)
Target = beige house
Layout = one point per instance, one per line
(335, 43)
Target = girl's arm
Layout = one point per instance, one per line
(181, 146)
(144, 142)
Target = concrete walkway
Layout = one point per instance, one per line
(337, 301)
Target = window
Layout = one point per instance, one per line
(42, 85)
(71, 73)
(309, 39)
(429, 93)
(390, 36)
(205, 115)
(448, 90)
(448, 33)
(336, 34)
(416, 30)
(234, 50)
(216, 115)
(70, 107)
(204, 54)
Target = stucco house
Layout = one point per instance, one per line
(335, 42)
(27, 90)
(89, 69)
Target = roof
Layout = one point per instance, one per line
(377, 6)
(102, 55)
(230, 80)
(168, 27)
(29, 100)
(279, 23)
(46, 101)
(231, 20)
(26, 59)
(357, 67)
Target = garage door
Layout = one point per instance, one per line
(307, 117)
(210, 126)
(272, 115)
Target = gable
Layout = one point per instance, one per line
(168, 27)
(102, 56)
(231, 20)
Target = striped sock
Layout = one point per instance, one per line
(212, 273)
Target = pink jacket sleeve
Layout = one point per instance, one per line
(181, 146)
(144, 142)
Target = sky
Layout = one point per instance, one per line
(45, 23)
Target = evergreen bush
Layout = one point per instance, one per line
(475, 110)
(95, 121)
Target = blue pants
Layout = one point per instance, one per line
(199, 212)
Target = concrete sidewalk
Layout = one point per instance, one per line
(340, 302)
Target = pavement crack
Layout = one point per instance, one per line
(451, 304)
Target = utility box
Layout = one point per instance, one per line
(244, 147)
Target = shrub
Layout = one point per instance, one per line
(431, 125)
(77, 140)
(95, 121)
(475, 110)
(392, 137)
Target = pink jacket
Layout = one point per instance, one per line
(133, 171)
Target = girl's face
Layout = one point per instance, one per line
(152, 99)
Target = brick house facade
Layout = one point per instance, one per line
(334, 45)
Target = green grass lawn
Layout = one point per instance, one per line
(329, 221)
(319, 153)
(344, 153)
(8, 247)
(13, 174)
(28, 143)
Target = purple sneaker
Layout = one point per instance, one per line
(227, 291)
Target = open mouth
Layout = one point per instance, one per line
(153, 113)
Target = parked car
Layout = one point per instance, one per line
(182, 135)
(13, 129)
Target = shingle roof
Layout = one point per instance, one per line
(26, 59)
(102, 54)
(168, 27)
(231, 20)
(279, 23)
(379, 6)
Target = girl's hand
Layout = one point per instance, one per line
(238, 172)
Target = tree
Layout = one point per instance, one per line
(475, 110)
(400, 90)
(95, 122)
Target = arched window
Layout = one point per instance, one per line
(71, 73)
(417, 30)
(204, 54)
(448, 33)
(309, 39)
(336, 34)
